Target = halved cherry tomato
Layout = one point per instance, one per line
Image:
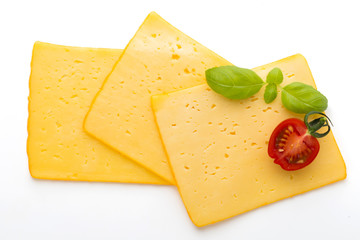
(292, 146)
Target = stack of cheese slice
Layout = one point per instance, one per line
(63, 82)
(215, 148)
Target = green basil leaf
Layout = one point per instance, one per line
(270, 92)
(302, 98)
(234, 82)
(275, 76)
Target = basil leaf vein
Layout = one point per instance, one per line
(234, 82)
(275, 76)
(270, 92)
(302, 98)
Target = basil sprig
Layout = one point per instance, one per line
(241, 83)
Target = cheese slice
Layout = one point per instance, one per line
(158, 59)
(217, 148)
(63, 82)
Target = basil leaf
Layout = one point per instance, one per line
(270, 92)
(302, 98)
(233, 82)
(275, 76)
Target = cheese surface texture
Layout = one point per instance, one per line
(157, 60)
(217, 148)
(63, 82)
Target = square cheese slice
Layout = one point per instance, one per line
(217, 148)
(63, 82)
(157, 60)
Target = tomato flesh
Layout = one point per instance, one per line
(291, 146)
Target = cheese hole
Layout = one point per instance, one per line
(253, 115)
(194, 131)
(291, 177)
(224, 178)
(254, 99)
(187, 105)
(178, 46)
(213, 106)
(193, 70)
(227, 147)
(175, 56)
(186, 71)
(213, 173)
(233, 133)
(248, 107)
(235, 195)
(209, 123)
(174, 124)
(223, 130)
(272, 190)
(253, 144)
(217, 167)
(267, 109)
(226, 155)
(291, 75)
(195, 49)
(186, 167)
(153, 35)
(276, 111)
(128, 132)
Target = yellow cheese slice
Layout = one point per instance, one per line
(218, 148)
(63, 82)
(157, 60)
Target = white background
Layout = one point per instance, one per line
(247, 33)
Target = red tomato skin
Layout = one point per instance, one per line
(300, 130)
